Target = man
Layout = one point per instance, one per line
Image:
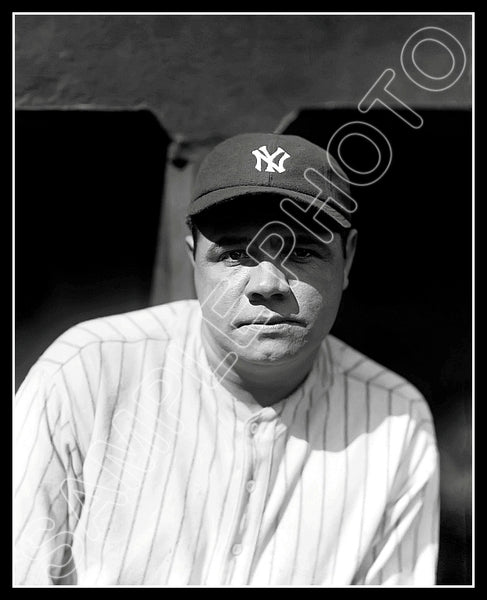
(231, 440)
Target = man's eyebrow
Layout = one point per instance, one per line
(310, 240)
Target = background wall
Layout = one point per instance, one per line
(214, 76)
(114, 114)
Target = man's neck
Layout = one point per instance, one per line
(266, 383)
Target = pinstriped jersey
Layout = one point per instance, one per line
(135, 466)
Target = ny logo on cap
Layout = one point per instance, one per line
(263, 154)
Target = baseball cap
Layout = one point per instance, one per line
(269, 163)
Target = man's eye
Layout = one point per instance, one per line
(301, 253)
(234, 255)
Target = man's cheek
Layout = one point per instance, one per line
(205, 285)
(309, 297)
(220, 300)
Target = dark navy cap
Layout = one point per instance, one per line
(260, 163)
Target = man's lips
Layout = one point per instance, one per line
(274, 320)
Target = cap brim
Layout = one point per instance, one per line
(226, 194)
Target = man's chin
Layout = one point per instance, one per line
(263, 345)
(268, 352)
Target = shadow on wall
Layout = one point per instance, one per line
(88, 196)
(409, 301)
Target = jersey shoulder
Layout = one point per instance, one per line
(359, 367)
(163, 323)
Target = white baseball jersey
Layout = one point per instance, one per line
(135, 466)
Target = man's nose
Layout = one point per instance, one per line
(266, 281)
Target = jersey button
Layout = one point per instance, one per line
(250, 486)
(236, 549)
(253, 428)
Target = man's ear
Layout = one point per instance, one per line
(190, 247)
(350, 246)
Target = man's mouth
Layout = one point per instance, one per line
(269, 321)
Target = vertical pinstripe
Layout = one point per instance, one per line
(227, 489)
(278, 519)
(124, 460)
(37, 488)
(168, 475)
(100, 370)
(46, 531)
(345, 479)
(323, 491)
(188, 484)
(364, 496)
(300, 484)
(416, 533)
(399, 541)
(105, 453)
(285, 473)
(146, 469)
(260, 542)
(32, 450)
(28, 412)
(70, 399)
(388, 476)
(85, 373)
(212, 461)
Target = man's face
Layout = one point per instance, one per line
(272, 301)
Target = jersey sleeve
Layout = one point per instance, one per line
(405, 549)
(48, 485)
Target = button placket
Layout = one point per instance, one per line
(240, 548)
(237, 547)
(260, 475)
